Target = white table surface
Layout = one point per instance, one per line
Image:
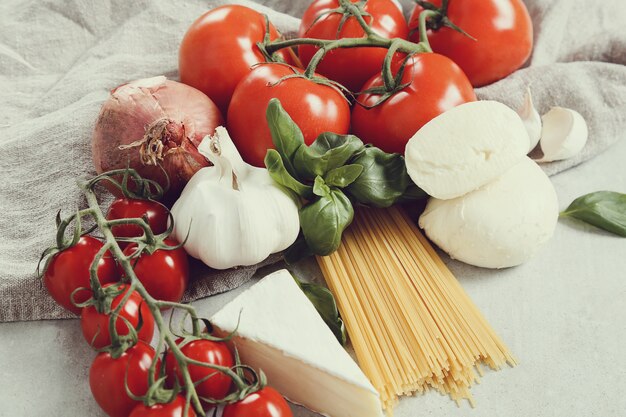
(563, 314)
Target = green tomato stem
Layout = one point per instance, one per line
(422, 27)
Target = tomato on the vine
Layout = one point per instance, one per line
(127, 208)
(314, 107)
(503, 31)
(163, 273)
(69, 270)
(174, 408)
(436, 85)
(108, 376)
(219, 49)
(214, 384)
(95, 325)
(351, 66)
(266, 402)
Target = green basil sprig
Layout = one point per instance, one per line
(324, 302)
(330, 175)
(603, 209)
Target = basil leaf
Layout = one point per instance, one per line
(277, 171)
(603, 209)
(329, 151)
(412, 192)
(384, 178)
(297, 251)
(324, 302)
(323, 221)
(343, 176)
(320, 188)
(286, 135)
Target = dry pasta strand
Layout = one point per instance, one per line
(412, 325)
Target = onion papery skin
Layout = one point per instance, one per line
(154, 125)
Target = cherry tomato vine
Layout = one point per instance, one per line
(110, 299)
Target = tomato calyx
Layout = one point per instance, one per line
(157, 392)
(436, 18)
(347, 10)
(271, 57)
(62, 241)
(317, 79)
(102, 301)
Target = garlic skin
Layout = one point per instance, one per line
(235, 213)
(564, 134)
(531, 119)
(502, 224)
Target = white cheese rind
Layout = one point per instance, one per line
(499, 225)
(465, 148)
(281, 333)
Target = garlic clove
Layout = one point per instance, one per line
(563, 135)
(531, 119)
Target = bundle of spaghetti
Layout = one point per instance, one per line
(411, 324)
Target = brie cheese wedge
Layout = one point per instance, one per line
(281, 333)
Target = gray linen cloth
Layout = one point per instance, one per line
(60, 58)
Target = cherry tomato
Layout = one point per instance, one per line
(503, 32)
(126, 208)
(437, 84)
(107, 377)
(174, 408)
(219, 49)
(264, 403)
(95, 325)
(314, 107)
(352, 66)
(164, 273)
(216, 385)
(69, 270)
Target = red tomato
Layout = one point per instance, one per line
(126, 208)
(172, 409)
(220, 47)
(503, 32)
(264, 403)
(95, 325)
(315, 108)
(216, 384)
(351, 66)
(437, 84)
(164, 273)
(69, 270)
(107, 377)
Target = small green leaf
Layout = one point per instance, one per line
(324, 221)
(324, 302)
(286, 135)
(320, 188)
(297, 251)
(343, 176)
(603, 209)
(277, 171)
(329, 151)
(384, 179)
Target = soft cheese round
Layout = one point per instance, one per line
(502, 224)
(465, 148)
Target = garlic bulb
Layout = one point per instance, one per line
(531, 119)
(235, 213)
(564, 134)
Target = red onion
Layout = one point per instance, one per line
(152, 122)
